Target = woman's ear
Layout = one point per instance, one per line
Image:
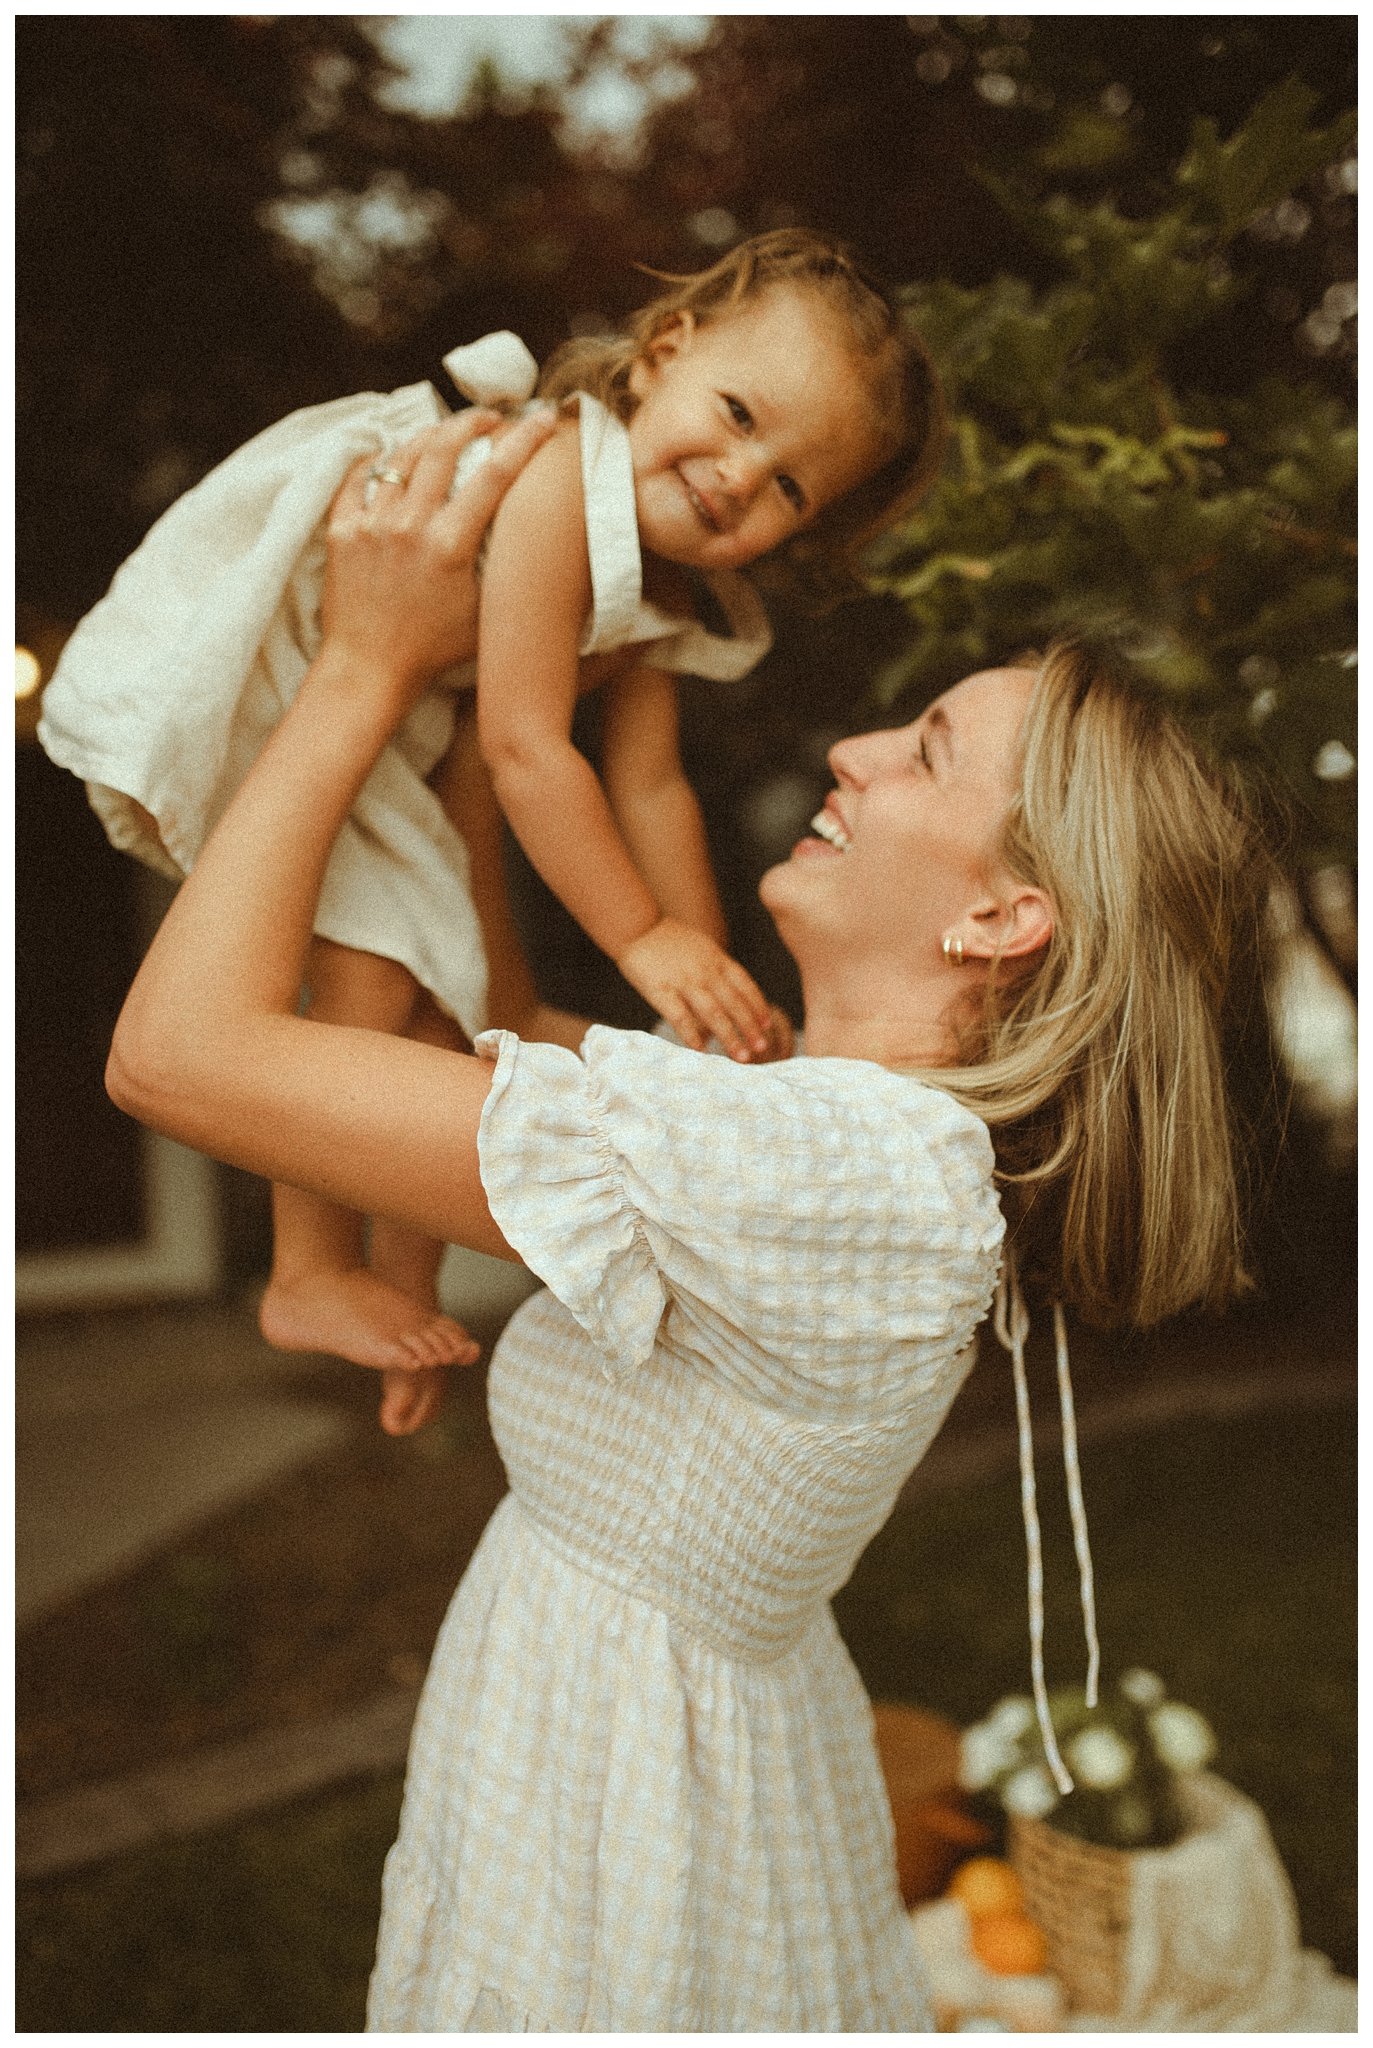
(1017, 926)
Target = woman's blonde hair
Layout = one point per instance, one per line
(1101, 1069)
(907, 408)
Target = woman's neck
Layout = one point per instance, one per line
(893, 1038)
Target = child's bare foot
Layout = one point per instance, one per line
(410, 1399)
(357, 1316)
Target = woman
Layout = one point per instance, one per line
(642, 1791)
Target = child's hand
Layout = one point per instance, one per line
(781, 1038)
(702, 992)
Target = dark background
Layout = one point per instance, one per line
(163, 318)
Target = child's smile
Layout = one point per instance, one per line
(747, 427)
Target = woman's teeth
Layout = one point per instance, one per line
(829, 828)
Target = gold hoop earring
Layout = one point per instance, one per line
(953, 948)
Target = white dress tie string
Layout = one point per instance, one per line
(1011, 1323)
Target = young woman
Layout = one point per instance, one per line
(643, 1792)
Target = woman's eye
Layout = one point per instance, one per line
(924, 752)
(738, 411)
(792, 492)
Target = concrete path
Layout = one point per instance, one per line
(133, 1427)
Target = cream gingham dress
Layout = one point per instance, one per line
(168, 689)
(643, 1792)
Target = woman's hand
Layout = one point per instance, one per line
(400, 589)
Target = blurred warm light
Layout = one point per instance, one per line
(28, 672)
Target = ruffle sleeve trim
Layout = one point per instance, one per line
(554, 1185)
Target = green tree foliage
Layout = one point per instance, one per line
(1096, 483)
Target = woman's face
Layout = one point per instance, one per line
(906, 847)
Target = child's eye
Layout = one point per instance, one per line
(738, 411)
(923, 750)
(792, 492)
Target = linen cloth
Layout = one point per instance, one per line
(167, 690)
(643, 1790)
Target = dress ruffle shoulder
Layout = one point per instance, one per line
(597, 1166)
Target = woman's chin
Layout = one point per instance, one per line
(803, 855)
(783, 886)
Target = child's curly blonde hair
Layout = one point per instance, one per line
(907, 407)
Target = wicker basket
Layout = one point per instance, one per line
(1079, 1894)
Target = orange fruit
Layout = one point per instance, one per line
(987, 1884)
(1009, 1943)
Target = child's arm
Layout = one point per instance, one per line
(653, 804)
(680, 966)
(463, 786)
(536, 591)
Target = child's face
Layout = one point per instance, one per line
(747, 428)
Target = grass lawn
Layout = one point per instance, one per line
(1225, 1561)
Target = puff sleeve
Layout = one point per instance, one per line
(820, 1231)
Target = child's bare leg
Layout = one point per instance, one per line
(321, 1296)
(410, 1261)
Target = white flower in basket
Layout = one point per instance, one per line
(1029, 1792)
(1161, 1896)
(1101, 1759)
(1182, 1738)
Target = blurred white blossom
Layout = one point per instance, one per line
(1100, 1758)
(1182, 1736)
(1030, 1792)
(1145, 1688)
(985, 1754)
(1013, 1715)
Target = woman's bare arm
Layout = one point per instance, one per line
(208, 1047)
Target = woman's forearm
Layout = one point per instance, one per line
(249, 905)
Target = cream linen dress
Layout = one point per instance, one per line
(643, 1792)
(167, 690)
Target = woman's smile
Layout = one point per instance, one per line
(831, 827)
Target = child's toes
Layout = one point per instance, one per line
(441, 1341)
(423, 1348)
(459, 1347)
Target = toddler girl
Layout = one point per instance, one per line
(772, 396)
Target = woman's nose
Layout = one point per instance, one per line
(864, 756)
(846, 759)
